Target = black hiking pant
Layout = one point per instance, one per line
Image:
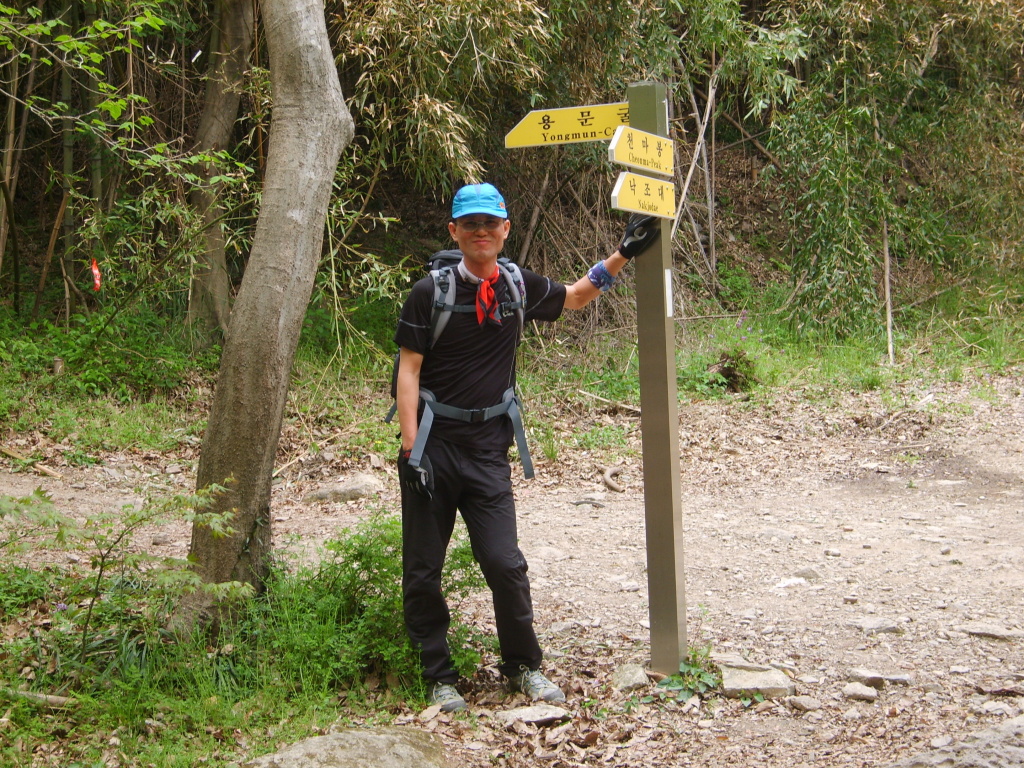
(478, 484)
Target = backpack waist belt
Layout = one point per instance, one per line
(509, 404)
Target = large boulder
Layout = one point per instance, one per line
(999, 747)
(359, 748)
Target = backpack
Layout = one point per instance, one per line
(441, 266)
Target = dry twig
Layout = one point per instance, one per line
(607, 473)
(38, 467)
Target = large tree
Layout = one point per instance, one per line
(230, 43)
(310, 126)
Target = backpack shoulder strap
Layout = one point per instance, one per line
(444, 300)
(517, 289)
(444, 297)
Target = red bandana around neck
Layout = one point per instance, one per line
(486, 301)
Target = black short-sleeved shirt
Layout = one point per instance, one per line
(472, 365)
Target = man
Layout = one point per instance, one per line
(467, 373)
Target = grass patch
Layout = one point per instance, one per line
(605, 437)
(323, 640)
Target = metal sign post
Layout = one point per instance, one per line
(648, 111)
(638, 132)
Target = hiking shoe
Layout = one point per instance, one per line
(535, 685)
(447, 697)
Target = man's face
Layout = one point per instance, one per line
(480, 237)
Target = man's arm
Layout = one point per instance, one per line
(641, 231)
(408, 397)
(583, 291)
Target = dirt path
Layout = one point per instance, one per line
(803, 524)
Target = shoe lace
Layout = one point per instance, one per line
(533, 681)
(443, 692)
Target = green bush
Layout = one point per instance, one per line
(20, 587)
(316, 629)
(128, 357)
(330, 625)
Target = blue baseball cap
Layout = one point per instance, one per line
(479, 198)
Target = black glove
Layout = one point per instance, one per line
(641, 231)
(416, 479)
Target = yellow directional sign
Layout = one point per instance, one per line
(568, 125)
(643, 194)
(642, 150)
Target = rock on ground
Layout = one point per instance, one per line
(359, 748)
(992, 631)
(770, 683)
(804, 703)
(866, 677)
(629, 677)
(860, 692)
(537, 714)
(359, 486)
(999, 747)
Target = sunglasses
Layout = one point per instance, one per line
(475, 225)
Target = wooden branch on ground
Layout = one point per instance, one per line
(46, 700)
(38, 467)
(717, 317)
(623, 406)
(968, 344)
(330, 440)
(607, 473)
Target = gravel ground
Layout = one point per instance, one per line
(873, 534)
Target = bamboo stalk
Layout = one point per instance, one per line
(709, 182)
(44, 273)
(886, 257)
(887, 262)
(14, 246)
(90, 98)
(696, 153)
(926, 60)
(69, 12)
(535, 214)
(30, 87)
(747, 136)
(70, 289)
(6, 209)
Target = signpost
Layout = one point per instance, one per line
(643, 151)
(642, 194)
(568, 125)
(659, 414)
(638, 131)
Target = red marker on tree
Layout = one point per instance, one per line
(96, 277)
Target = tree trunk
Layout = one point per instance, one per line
(90, 98)
(69, 12)
(230, 44)
(7, 169)
(310, 127)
